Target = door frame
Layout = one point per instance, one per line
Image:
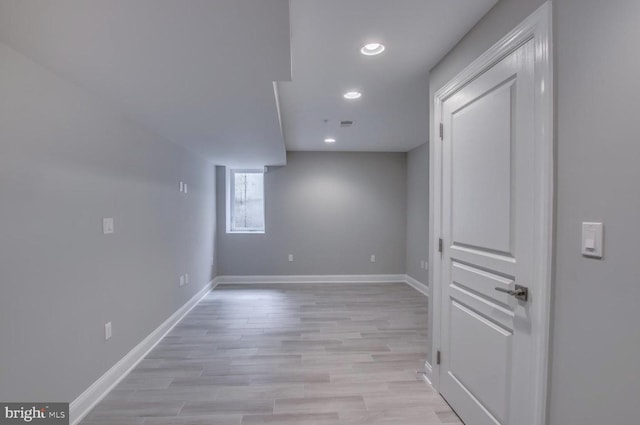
(537, 27)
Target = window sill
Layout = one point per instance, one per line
(245, 232)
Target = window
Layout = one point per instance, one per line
(245, 201)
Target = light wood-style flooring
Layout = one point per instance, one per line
(299, 354)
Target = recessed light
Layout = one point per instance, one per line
(372, 49)
(329, 140)
(352, 95)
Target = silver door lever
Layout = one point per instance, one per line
(520, 292)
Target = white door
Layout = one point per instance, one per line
(487, 231)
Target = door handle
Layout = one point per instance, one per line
(519, 292)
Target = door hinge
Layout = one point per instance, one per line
(440, 245)
(438, 357)
(441, 131)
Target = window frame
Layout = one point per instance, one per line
(230, 198)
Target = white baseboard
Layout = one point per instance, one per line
(428, 373)
(347, 278)
(417, 285)
(82, 405)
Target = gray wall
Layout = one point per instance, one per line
(66, 161)
(596, 372)
(417, 212)
(595, 375)
(330, 210)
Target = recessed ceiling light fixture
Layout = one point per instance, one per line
(352, 95)
(372, 49)
(329, 140)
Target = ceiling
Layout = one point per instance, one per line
(198, 72)
(392, 114)
(201, 72)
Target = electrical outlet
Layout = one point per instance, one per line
(426, 265)
(186, 188)
(182, 280)
(186, 279)
(422, 264)
(181, 187)
(108, 226)
(107, 331)
(290, 258)
(373, 258)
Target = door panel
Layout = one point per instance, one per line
(481, 282)
(483, 374)
(481, 190)
(483, 259)
(487, 228)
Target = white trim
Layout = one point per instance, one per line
(246, 232)
(428, 373)
(346, 278)
(82, 405)
(417, 285)
(537, 27)
(276, 96)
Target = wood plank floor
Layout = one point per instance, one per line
(303, 354)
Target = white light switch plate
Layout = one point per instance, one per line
(108, 226)
(592, 239)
